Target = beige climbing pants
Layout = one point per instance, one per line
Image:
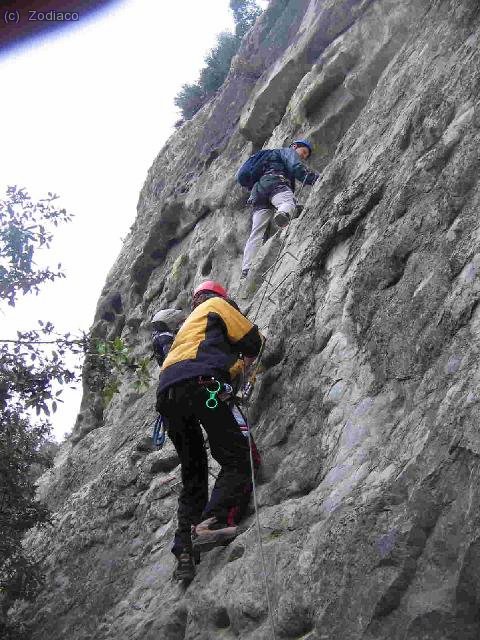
(283, 201)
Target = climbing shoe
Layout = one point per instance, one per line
(210, 534)
(244, 274)
(185, 569)
(281, 219)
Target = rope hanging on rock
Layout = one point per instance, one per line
(271, 614)
(276, 261)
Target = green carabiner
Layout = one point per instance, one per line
(212, 402)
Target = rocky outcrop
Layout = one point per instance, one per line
(368, 412)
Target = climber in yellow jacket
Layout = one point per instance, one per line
(193, 388)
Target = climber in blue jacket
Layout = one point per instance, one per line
(275, 188)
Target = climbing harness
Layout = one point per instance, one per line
(159, 435)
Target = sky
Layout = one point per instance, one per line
(84, 112)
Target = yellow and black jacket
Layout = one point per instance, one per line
(208, 344)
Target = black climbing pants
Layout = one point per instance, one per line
(183, 405)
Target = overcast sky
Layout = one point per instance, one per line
(84, 113)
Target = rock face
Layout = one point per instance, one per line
(368, 413)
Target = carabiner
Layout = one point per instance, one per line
(212, 402)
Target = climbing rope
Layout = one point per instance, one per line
(277, 259)
(271, 614)
(272, 271)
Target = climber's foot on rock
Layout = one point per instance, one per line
(281, 219)
(185, 569)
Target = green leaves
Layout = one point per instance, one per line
(110, 389)
(245, 12)
(25, 228)
(218, 62)
(192, 97)
(111, 361)
(22, 446)
(142, 382)
(32, 366)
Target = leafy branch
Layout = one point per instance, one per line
(110, 360)
(25, 227)
(192, 97)
(35, 367)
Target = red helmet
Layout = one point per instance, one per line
(210, 286)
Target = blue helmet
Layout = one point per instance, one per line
(304, 143)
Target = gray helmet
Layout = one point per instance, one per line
(170, 317)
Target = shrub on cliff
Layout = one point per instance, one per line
(245, 12)
(192, 97)
(218, 63)
(189, 100)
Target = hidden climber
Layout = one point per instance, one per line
(271, 175)
(164, 324)
(192, 390)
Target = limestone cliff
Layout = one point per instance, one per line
(368, 413)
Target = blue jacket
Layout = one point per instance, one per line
(280, 170)
(286, 162)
